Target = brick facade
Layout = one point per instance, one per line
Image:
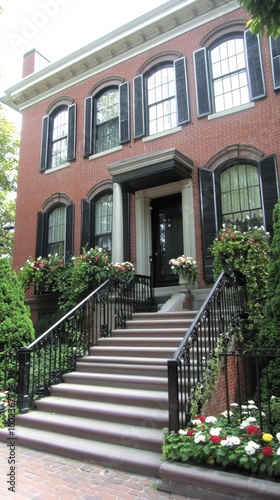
(202, 140)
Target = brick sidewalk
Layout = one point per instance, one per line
(40, 475)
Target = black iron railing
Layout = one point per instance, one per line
(44, 362)
(220, 312)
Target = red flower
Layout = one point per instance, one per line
(215, 439)
(267, 451)
(254, 429)
(201, 418)
(190, 432)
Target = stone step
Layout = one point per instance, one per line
(123, 360)
(123, 396)
(154, 418)
(162, 324)
(148, 331)
(116, 433)
(132, 351)
(117, 380)
(154, 342)
(104, 454)
(173, 315)
(121, 368)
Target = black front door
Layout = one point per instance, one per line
(167, 235)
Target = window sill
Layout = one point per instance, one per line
(55, 169)
(162, 134)
(103, 153)
(231, 110)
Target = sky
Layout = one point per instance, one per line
(56, 28)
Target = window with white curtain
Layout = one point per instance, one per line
(103, 210)
(240, 197)
(56, 231)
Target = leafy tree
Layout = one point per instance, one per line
(16, 328)
(265, 14)
(9, 149)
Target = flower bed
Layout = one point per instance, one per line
(239, 445)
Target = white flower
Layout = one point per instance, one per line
(251, 419)
(251, 448)
(230, 441)
(278, 452)
(196, 421)
(215, 431)
(227, 413)
(210, 420)
(234, 404)
(182, 432)
(199, 438)
(278, 436)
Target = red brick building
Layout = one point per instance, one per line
(147, 140)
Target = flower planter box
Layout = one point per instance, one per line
(202, 483)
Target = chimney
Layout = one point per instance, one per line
(33, 61)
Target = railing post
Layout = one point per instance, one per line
(23, 359)
(173, 394)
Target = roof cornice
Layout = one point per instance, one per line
(153, 28)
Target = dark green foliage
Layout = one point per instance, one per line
(269, 336)
(16, 328)
(265, 14)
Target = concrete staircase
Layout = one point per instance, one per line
(112, 410)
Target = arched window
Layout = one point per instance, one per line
(59, 136)
(103, 208)
(107, 120)
(58, 143)
(56, 231)
(161, 100)
(240, 198)
(228, 70)
(229, 78)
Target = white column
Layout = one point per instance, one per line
(143, 234)
(188, 220)
(117, 224)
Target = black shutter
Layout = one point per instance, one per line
(208, 220)
(139, 117)
(182, 98)
(44, 143)
(40, 249)
(275, 61)
(203, 103)
(87, 229)
(124, 126)
(71, 143)
(88, 127)
(254, 66)
(126, 226)
(270, 191)
(69, 233)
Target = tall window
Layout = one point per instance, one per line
(58, 142)
(230, 86)
(107, 120)
(59, 132)
(161, 100)
(56, 231)
(103, 221)
(240, 197)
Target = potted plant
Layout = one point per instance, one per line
(186, 268)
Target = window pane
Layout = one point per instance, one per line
(107, 119)
(161, 100)
(58, 154)
(103, 221)
(240, 197)
(56, 231)
(228, 70)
